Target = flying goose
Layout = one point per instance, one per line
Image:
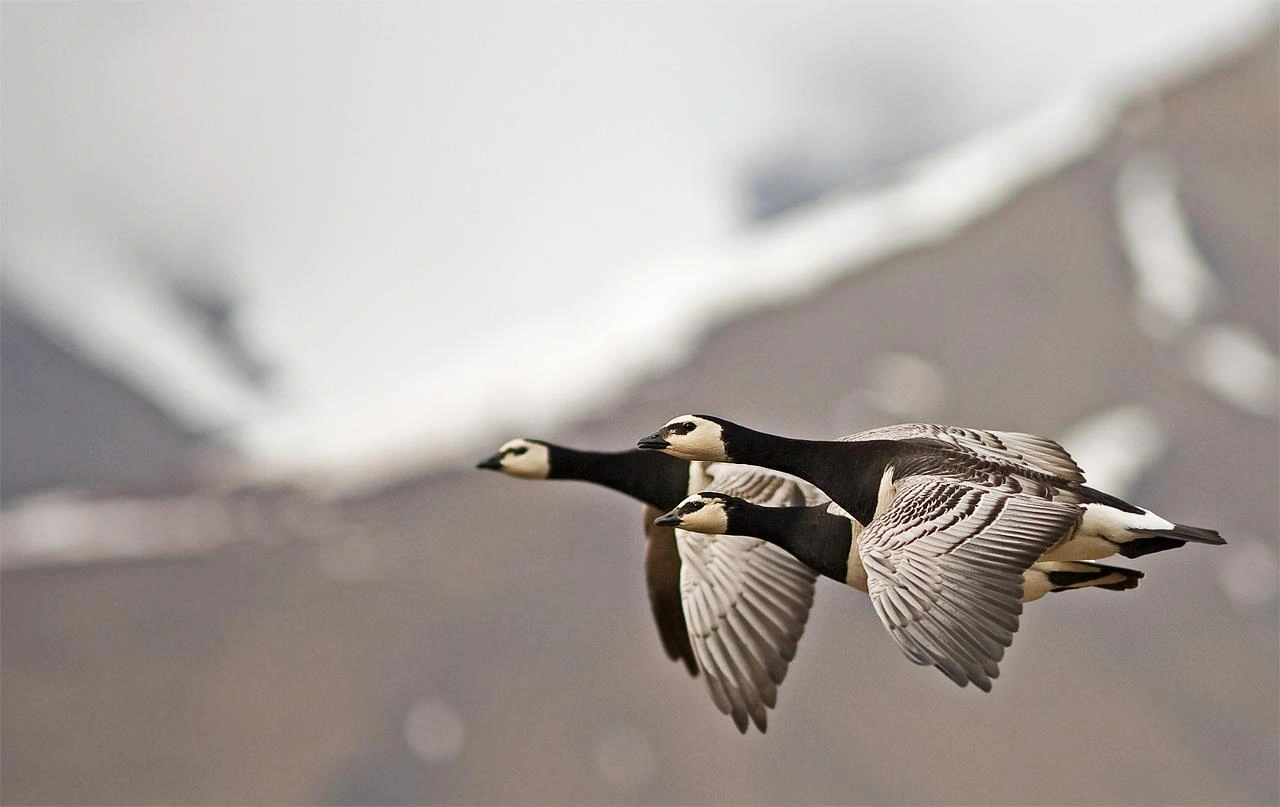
(954, 518)
(733, 606)
(822, 537)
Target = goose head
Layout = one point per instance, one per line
(691, 437)
(522, 458)
(705, 512)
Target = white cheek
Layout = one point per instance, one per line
(533, 464)
(707, 521)
(710, 441)
(699, 445)
(525, 470)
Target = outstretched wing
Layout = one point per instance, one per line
(1016, 451)
(944, 563)
(662, 577)
(746, 603)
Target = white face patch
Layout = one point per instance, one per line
(693, 438)
(703, 514)
(525, 459)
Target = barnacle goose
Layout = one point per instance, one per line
(733, 606)
(822, 537)
(954, 518)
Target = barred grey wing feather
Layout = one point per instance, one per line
(746, 603)
(944, 564)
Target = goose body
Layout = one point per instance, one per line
(954, 519)
(734, 607)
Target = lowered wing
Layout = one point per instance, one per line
(944, 563)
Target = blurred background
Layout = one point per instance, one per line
(275, 275)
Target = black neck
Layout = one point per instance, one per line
(816, 538)
(650, 476)
(848, 472)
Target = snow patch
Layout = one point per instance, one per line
(70, 527)
(1237, 366)
(119, 320)
(1173, 282)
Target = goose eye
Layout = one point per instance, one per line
(682, 428)
(515, 452)
(692, 507)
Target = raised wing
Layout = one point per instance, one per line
(746, 603)
(662, 577)
(944, 565)
(1014, 450)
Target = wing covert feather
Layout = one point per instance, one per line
(1028, 452)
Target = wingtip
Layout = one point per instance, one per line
(691, 666)
(1150, 541)
(762, 721)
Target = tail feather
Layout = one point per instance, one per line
(1106, 528)
(1145, 544)
(1199, 535)
(1152, 540)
